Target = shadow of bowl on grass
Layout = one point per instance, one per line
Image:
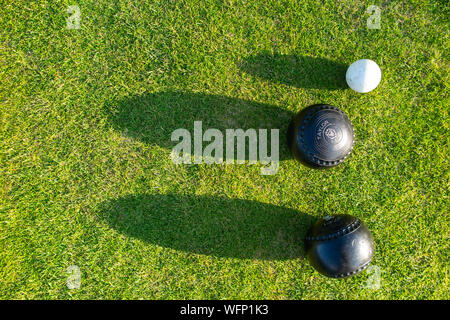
(298, 71)
(151, 118)
(207, 225)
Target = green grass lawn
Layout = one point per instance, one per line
(86, 177)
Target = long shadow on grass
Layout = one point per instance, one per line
(214, 226)
(152, 118)
(298, 71)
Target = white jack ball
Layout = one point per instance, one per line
(363, 75)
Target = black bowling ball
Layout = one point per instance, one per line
(321, 136)
(339, 246)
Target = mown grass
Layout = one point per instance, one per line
(86, 177)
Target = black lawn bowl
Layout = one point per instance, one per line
(321, 136)
(339, 246)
